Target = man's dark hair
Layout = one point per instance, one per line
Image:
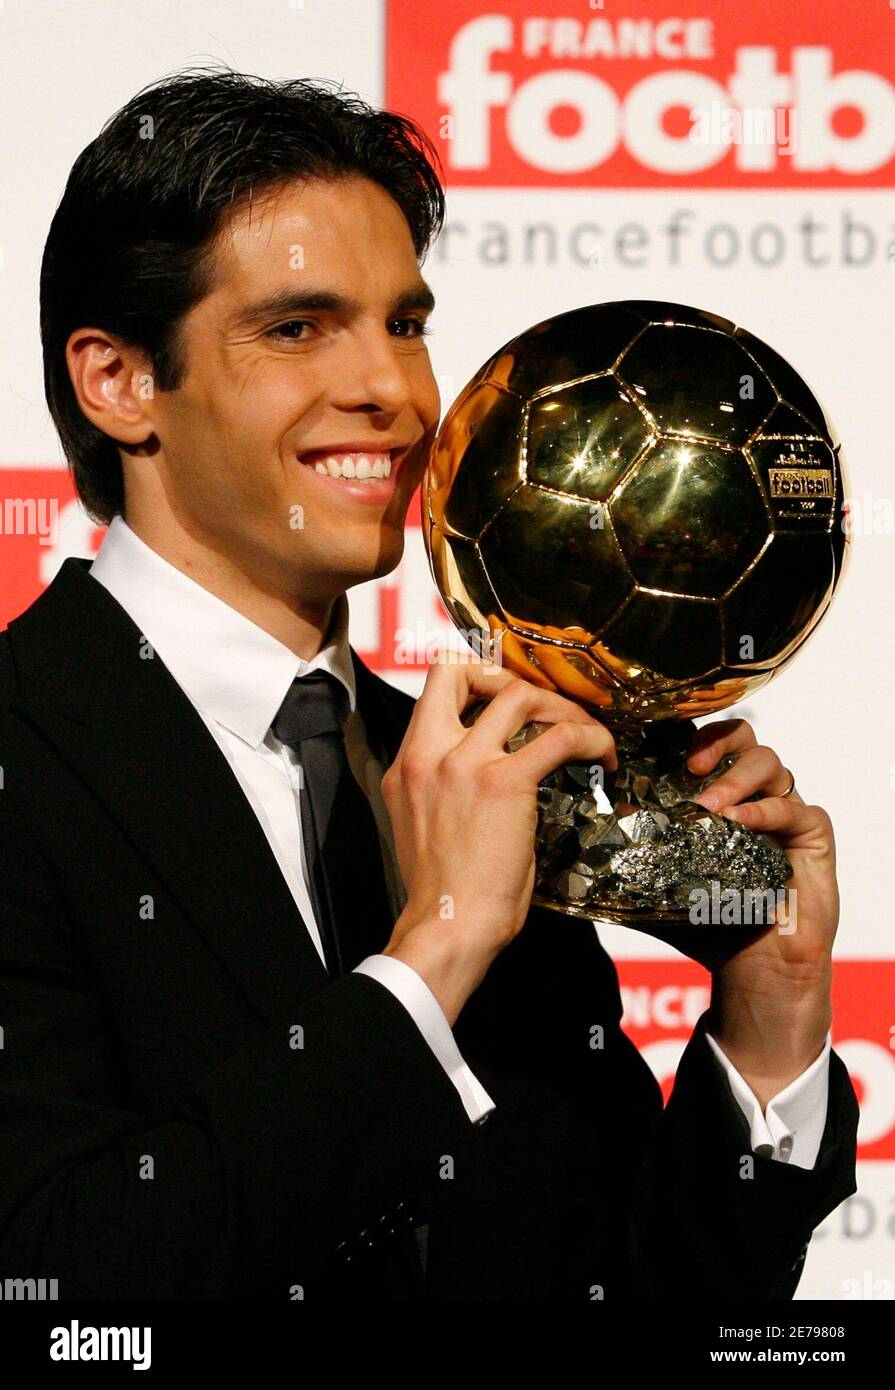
(130, 248)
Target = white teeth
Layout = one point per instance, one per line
(362, 466)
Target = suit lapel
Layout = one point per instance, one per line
(384, 710)
(120, 720)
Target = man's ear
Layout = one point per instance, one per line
(113, 384)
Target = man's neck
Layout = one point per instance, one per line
(300, 625)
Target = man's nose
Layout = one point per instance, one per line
(372, 375)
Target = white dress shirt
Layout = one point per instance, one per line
(236, 675)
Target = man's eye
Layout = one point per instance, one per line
(293, 329)
(290, 329)
(417, 326)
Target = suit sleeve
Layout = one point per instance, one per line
(792, 1124)
(419, 1001)
(712, 1218)
(249, 1183)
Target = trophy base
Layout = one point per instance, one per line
(710, 947)
(635, 849)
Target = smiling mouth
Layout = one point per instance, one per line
(370, 465)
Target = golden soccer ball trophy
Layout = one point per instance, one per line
(639, 505)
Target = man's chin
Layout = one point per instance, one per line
(385, 564)
(361, 569)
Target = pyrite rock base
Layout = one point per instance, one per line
(639, 850)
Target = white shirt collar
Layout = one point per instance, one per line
(229, 668)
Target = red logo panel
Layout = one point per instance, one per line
(644, 93)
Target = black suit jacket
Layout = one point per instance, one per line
(191, 1108)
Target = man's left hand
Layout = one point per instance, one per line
(771, 1006)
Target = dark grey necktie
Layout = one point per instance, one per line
(350, 900)
(341, 841)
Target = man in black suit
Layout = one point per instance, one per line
(279, 1021)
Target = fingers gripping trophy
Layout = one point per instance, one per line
(639, 505)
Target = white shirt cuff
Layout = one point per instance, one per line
(411, 990)
(791, 1129)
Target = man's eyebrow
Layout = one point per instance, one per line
(286, 303)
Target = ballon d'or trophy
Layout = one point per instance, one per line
(638, 505)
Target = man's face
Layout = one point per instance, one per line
(305, 364)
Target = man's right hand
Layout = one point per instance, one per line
(464, 814)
